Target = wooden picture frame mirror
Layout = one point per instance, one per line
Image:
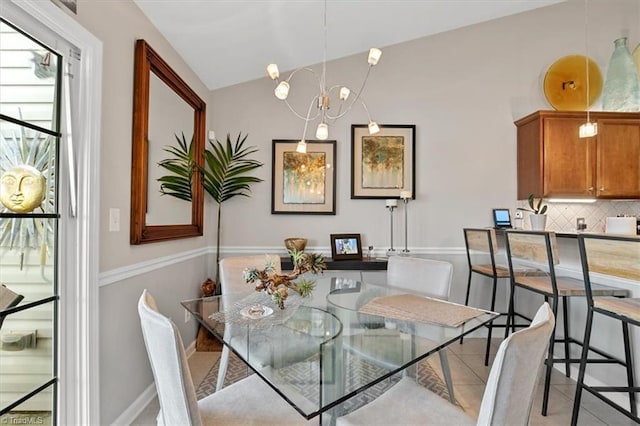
(164, 108)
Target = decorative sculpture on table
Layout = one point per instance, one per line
(278, 285)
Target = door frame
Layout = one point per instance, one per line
(79, 368)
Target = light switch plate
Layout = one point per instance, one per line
(114, 220)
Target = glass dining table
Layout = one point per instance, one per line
(322, 352)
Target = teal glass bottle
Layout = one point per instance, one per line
(621, 90)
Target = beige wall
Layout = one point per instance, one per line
(118, 24)
(462, 89)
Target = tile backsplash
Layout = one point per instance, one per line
(562, 216)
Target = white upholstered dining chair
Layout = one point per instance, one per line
(231, 281)
(248, 402)
(429, 277)
(507, 399)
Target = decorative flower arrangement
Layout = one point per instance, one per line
(278, 285)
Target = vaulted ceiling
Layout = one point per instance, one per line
(231, 41)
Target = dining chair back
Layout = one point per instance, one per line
(431, 278)
(8, 299)
(232, 281)
(614, 256)
(507, 398)
(249, 401)
(511, 385)
(176, 393)
(427, 276)
(231, 269)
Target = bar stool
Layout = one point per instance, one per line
(615, 256)
(540, 248)
(482, 244)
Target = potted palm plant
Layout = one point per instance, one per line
(226, 173)
(537, 218)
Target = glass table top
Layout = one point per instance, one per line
(321, 351)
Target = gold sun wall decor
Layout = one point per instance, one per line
(27, 185)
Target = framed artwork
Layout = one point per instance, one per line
(346, 247)
(303, 183)
(383, 165)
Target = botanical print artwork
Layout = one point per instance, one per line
(383, 161)
(304, 177)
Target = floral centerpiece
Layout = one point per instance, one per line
(278, 285)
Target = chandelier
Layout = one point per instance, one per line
(322, 102)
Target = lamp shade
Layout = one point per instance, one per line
(322, 132)
(373, 128)
(588, 130)
(282, 90)
(374, 55)
(301, 147)
(272, 71)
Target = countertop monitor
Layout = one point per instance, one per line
(502, 218)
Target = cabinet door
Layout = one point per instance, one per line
(568, 160)
(618, 162)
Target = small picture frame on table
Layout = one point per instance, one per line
(346, 247)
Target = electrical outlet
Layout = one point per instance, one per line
(518, 214)
(187, 316)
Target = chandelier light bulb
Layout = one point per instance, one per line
(373, 128)
(272, 71)
(344, 93)
(302, 147)
(374, 56)
(322, 132)
(282, 90)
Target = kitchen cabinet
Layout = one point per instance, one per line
(553, 162)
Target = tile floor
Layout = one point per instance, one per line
(469, 377)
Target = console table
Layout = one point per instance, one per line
(375, 264)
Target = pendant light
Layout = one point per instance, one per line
(587, 129)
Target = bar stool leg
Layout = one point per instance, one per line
(565, 321)
(629, 362)
(583, 367)
(549, 361)
(510, 312)
(490, 325)
(466, 299)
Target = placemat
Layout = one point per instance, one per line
(410, 307)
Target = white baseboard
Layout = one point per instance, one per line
(138, 406)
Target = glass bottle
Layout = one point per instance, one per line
(636, 58)
(621, 90)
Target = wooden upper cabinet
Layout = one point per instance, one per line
(618, 160)
(553, 162)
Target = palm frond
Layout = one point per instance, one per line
(226, 166)
(181, 166)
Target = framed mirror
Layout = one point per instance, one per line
(164, 108)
